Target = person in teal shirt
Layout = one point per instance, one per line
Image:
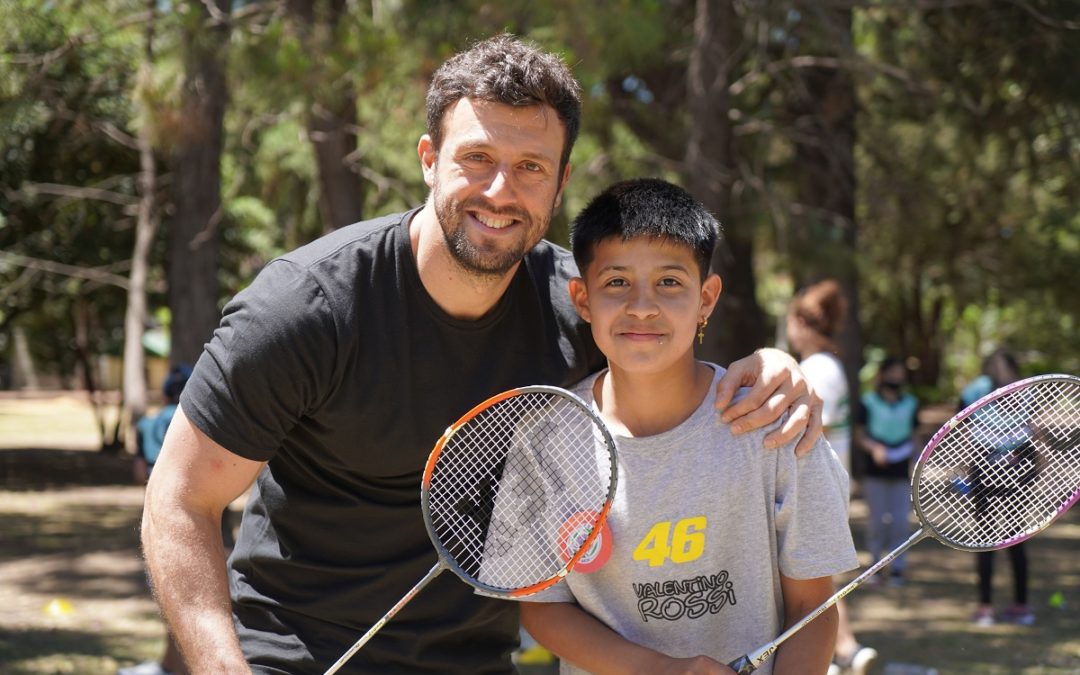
(886, 431)
(150, 430)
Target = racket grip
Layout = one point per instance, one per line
(742, 665)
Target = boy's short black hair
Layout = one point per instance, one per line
(645, 207)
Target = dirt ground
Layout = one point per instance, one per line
(73, 598)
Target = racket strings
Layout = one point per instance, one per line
(508, 479)
(1006, 470)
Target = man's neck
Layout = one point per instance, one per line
(637, 405)
(459, 292)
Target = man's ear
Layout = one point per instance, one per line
(710, 294)
(562, 186)
(579, 295)
(425, 149)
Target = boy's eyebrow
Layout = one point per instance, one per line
(619, 268)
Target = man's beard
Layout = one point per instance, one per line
(495, 261)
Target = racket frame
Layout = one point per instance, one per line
(749, 662)
(445, 559)
(955, 421)
(429, 469)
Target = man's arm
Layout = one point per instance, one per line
(192, 482)
(777, 386)
(578, 637)
(810, 650)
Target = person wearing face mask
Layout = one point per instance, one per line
(885, 430)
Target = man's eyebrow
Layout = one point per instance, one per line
(483, 144)
(538, 156)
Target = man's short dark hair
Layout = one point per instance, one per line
(645, 207)
(504, 69)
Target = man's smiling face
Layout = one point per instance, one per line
(495, 181)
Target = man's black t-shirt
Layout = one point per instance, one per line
(337, 368)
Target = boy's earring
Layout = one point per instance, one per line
(701, 331)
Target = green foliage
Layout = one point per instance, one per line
(967, 147)
(968, 170)
(65, 79)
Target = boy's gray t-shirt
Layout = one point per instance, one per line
(703, 524)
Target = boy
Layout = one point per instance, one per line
(716, 546)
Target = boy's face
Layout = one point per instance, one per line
(644, 299)
(495, 181)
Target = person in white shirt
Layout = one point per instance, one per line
(814, 319)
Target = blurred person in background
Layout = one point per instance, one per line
(998, 369)
(885, 430)
(814, 319)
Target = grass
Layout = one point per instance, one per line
(73, 598)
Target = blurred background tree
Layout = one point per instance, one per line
(924, 153)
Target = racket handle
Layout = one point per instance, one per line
(743, 665)
(432, 573)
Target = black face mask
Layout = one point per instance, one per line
(892, 386)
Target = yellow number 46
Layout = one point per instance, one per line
(686, 543)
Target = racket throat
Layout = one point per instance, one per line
(750, 662)
(432, 573)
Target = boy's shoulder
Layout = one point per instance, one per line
(583, 388)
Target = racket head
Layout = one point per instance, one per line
(1004, 468)
(515, 492)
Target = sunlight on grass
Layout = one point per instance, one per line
(65, 421)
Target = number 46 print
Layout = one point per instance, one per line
(680, 542)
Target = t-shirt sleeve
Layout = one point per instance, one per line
(270, 361)
(811, 511)
(559, 592)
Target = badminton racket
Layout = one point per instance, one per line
(514, 494)
(997, 473)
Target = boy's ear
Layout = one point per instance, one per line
(710, 294)
(579, 295)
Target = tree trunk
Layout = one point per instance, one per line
(85, 360)
(23, 371)
(194, 235)
(134, 385)
(738, 325)
(331, 119)
(333, 136)
(823, 230)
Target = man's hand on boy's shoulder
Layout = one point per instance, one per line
(777, 385)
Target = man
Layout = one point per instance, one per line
(333, 374)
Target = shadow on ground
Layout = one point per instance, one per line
(69, 522)
(45, 469)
